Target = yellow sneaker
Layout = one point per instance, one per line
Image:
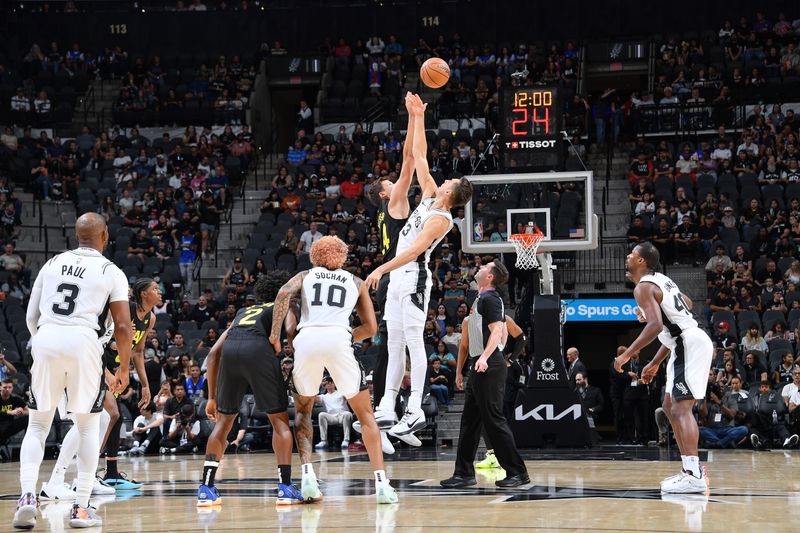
(490, 461)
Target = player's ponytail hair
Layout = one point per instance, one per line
(138, 287)
(329, 252)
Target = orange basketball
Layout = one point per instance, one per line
(434, 72)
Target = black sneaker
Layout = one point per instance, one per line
(513, 481)
(456, 482)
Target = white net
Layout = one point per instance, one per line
(526, 245)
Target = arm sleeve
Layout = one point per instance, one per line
(119, 285)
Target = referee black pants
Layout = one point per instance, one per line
(483, 408)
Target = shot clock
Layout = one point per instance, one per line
(530, 128)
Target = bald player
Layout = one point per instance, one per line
(71, 298)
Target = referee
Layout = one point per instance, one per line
(483, 405)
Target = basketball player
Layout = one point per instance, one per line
(410, 282)
(392, 201)
(241, 358)
(668, 315)
(324, 340)
(145, 295)
(69, 303)
(483, 405)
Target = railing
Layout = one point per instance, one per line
(676, 118)
(601, 266)
(89, 104)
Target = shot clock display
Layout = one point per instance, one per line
(530, 128)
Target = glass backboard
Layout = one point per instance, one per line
(560, 204)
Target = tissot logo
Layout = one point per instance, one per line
(547, 411)
(530, 144)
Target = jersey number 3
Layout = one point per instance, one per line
(70, 292)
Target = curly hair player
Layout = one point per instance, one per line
(409, 290)
(241, 358)
(324, 339)
(669, 318)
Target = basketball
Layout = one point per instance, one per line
(434, 72)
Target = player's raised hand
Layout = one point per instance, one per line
(211, 409)
(417, 107)
(374, 279)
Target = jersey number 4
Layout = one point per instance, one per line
(336, 295)
(680, 305)
(70, 293)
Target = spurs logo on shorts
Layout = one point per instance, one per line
(681, 387)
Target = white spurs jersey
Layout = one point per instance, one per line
(675, 313)
(328, 298)
(416, 221)
(75, 288)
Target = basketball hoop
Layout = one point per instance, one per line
(526, 245)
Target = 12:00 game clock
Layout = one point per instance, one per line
(530, 128)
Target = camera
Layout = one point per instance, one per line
(715, 389)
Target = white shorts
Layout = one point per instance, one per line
(319, 347)
(407, 299)
(688, 366)
(67, 359)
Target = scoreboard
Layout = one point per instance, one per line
(531, 122)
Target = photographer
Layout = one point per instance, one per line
(717, 427)
(184, 432)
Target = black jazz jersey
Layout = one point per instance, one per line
(252, 322)
(388, 230)
(139, 327)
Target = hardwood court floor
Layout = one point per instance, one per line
(609, 489)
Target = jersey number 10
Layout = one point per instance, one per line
(336, 295)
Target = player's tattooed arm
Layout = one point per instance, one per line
(303, 431)
(281, 307)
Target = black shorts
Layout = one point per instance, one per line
(250, 362)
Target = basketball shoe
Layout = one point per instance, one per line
(684, 483)
(56, 492)
(386, 418)
(81, 517)
(25, 515)
(288, 495)
(386, 444)
(309, 487)
(490, 461)
(208, 496)
(385, 493)
(411, 422)
(100, 487)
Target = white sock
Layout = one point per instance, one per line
(66, 456)
(308, 470)
(692, 465)
(32, 451)
(395, 367)
(105, 419)
(136, 444)
(419, 366)
(88, 455)
(683, 462)
(145, 444)
(380, 478)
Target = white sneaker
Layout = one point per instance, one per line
(672, 478)
(82, 517)
(386, 445)
(345, 444)
(410, 439)
(357, 426)
(309, 487)
(411, 422)
(56, 492)
(685, 484)
(791, 441)
(99, 488)
(385, 493)
(385, 418)
(321, 445)
(25, 515)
